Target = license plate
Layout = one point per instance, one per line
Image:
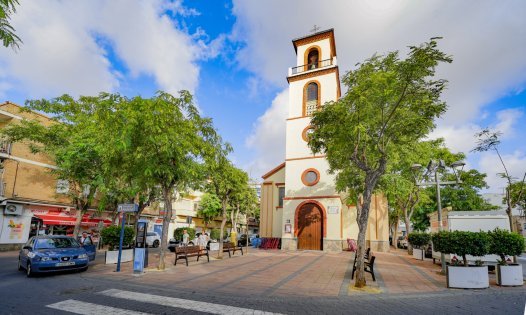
(69, 263)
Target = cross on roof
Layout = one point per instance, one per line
(315, 29)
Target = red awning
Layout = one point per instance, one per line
(57, 219)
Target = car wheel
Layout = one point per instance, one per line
(156, 243)
(191, 244)
(29, 270)
(172, 249)
(20, 268)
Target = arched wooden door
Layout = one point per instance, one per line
(310, 227)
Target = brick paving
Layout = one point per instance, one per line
(274, 281)
(290, 273)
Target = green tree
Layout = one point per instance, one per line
(161, 142)
(209, 208)
(488, 140)
(518, 194)
(7, 32)
(399, 182)
(391, 103)
(70, 141)
(244, 203)
(225, 181)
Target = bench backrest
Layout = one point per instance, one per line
(371, 260)
(228, 245)
(187, 249)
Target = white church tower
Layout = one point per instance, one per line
(299, 202)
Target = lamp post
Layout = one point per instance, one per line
(434, 167)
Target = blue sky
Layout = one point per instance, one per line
(233, 56)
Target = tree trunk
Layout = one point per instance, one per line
(79, 214)
(362, 225)
(362, 218)
(167, 197)
(510, 218)
(395, 234)
(221, 230)
(408, 230)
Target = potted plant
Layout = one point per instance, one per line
(463, 243)
(111, 236)
(505, 243)
(418, 240)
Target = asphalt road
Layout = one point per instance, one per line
(86, 293)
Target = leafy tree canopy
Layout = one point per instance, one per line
(7, 32)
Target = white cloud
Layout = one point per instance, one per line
(491, 165)
(62, 51)
(268, 137)
(461, 137)
(484, 38)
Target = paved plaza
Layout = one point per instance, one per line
(302, 282)
(291, 273)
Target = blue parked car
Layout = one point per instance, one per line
(50, 253)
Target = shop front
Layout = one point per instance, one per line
(15, 230)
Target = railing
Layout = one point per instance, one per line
(5, 147)
(313, 66)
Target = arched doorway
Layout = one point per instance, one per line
(310, 227)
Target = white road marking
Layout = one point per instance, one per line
(85, 308)
(182, 303)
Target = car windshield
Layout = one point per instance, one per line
(49, 243)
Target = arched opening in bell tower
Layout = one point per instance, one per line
(313, 59)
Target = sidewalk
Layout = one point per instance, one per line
(288, 273)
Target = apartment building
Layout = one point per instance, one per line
(31, 197)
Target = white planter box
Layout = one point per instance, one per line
(467, 277)
(418, 254)
(509, 275)
(113, 255)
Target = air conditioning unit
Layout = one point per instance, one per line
(13, 209)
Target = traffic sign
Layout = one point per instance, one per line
(127, 207)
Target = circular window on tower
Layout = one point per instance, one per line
(310, 177)
(306, 133)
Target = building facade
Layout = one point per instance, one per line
(185, 210)
(299, 202)
(31, 197)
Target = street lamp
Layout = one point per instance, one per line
(434, 167)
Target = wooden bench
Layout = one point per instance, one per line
(227, 247)
(183, 252)
(368, 267)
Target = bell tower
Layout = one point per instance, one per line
(311, 204)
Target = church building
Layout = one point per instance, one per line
(299, 202)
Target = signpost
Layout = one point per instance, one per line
(123, 209)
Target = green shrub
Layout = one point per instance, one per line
(111, 236)
(505, 243)
(214, 234)
(418, 239)
(178, 233)
(462, 243)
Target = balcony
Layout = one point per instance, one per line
(312, 67)
(5, 147)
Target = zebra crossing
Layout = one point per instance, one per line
(86, 308)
